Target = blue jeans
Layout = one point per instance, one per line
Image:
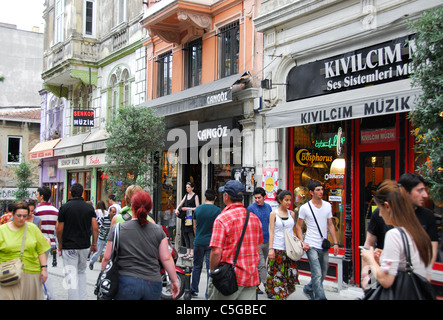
(319, 263)
(130, 288)
(200, 253)
(100, 246)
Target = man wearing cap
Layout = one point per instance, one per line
(226, 235)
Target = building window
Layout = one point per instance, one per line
(14, 149)
(165, 74)
(89, 18)
(113, 98)
(81, 102)
(229, 49)
(54, 118)
(125, 91)
(314, 151)
(194, 65)
(121, 11)
(59, 20)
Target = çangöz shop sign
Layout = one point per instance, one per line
(83, 118)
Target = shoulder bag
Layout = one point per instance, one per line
(223, 277)
(11, 271)
(293, 245)
(106, 287)
(325, 244)
(407, 285)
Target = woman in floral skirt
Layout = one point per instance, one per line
(282, 271)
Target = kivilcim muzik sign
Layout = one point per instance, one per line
(384, 62)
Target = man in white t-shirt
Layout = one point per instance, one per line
(312, 244)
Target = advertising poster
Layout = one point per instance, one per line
(270, 183)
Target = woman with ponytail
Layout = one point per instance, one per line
(397, 210)
(141, 245)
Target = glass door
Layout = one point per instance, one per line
(375, 167)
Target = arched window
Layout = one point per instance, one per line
(119, 91)
(81, 102)
(125, 84)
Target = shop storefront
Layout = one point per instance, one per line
(82, 158)
(345, 122)
(203, 140)
(50, 174)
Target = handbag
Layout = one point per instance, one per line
(407, 285)
(294, 246)
(106, 287)
(223, 277)
(325, 244)
(11, 271)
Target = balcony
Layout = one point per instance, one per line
(175, 21)
(62, 58)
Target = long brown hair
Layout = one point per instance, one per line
(403, 215)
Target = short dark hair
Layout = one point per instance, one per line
(76, 190)
(112, 197)
(45, 192)
(410, 180)
(10, 207)
(260, 190)
(31, 202)
(236, 198)
(312, 184)
(210, 195)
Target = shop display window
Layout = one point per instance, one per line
(168, 190)
(318, 155)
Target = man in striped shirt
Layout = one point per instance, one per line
(48, 213)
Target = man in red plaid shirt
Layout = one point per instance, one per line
(226, 233)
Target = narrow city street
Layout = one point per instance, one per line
(56, 279)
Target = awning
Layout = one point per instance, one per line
(70, 145)
(392, 97)
(96, 140)
(205, 95)
(43, 149)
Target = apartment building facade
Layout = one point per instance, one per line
(203, 63)
(93, 63)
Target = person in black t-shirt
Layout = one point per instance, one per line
(415, 185)
(76, 222)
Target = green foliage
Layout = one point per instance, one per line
(427, 118)
(23, 175)
(135, 136)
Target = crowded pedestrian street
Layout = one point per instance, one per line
(56, 279)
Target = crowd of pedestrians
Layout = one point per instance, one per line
(79, 233)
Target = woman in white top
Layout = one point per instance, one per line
(282, 271)
(397, 210)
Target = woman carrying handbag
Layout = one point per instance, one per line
(24, 244)
(282, 271)
(141, 245)
(404, 267)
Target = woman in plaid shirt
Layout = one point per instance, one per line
(226, 234)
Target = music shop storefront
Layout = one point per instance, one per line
(345, 122)
(82, 157)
